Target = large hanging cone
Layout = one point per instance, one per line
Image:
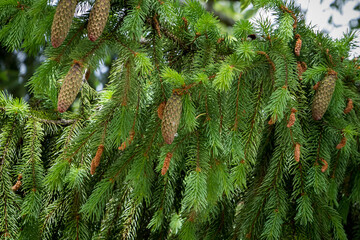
(323, 96)
(98, 18)
(171, 118)
(62, 21)
(70, 87)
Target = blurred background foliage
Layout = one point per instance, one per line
(17, 67)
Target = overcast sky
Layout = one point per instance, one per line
(318, 14)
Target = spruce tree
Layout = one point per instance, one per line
(198, 134)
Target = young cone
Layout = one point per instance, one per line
(128, 141)
(297, 45)
(325, 165)
(96, 160)
(166, 163)
(160, 110)
(171, 118)
(323, 96)
(292, 118)
(62, 21)
(349, 106)
(301, 67)
(70, 87)
(342, 143)
(297, 152)
(98, 18)
(17, 184)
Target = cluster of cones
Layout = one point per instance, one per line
(59, 30)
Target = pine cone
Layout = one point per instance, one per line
(297, 152)
(349, 106)
(342, 143)
(62, 21)
(292, 118)
(323, 96)
(297, 45)
(96, 160)
(325, 165)
(98, 18)
(171, 118)
(166, 163)
(160, 110)
(70, 87)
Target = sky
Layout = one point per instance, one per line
(318, 13)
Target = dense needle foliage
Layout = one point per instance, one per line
(248, 160)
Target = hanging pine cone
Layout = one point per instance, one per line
(301, 67)
(160, 110)
(171, 118)
(70, 87)
(325, 165)
(323, 96)
(342, 143)
(166, 163)
(297, 152)
(297, 45)
(17, 184)
(98, 18)
(62, 21)
(96, 160)
(292, 118)
(349, 106)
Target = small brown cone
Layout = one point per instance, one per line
(98, 18)
(166, 163)
(272, 120)
(171, 118)
(316, 86)
(323, 96)
(342, 143)
(96, 160)
(17, 184)
(62, 21)
(297, 152)
(301, 67)
(292, 118)
(297, 45)
(128, 141)
(160, 110)
(349, 106)
(70, 87)
(325, 166)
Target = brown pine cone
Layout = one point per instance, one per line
(166, 163)
(349, 106)
(98, 18)
(297, 45)
(96, 160)
(70, 87)
(297, 152)
(323, 96)
(171, 118)
(62, 21)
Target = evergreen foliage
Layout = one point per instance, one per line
(248, 161)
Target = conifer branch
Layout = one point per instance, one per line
(62, 122)
(285, 9)
(57, 59)
(237, 104)
(81, 145)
